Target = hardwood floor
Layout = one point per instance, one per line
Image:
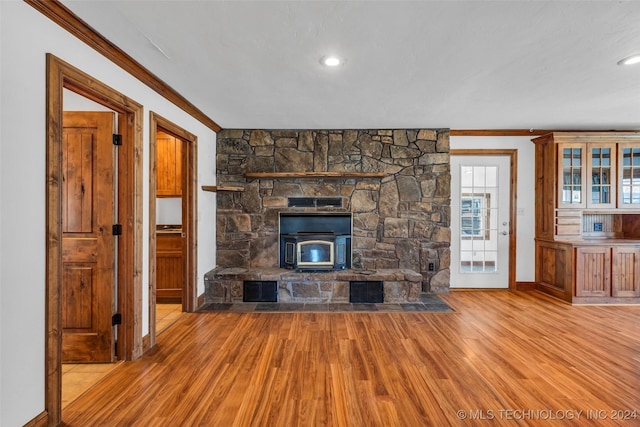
(78, 378)
(166, 314)
(502, 358)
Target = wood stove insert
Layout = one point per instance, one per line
(315, 241)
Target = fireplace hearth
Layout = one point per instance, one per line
(227, 285)
(315, 242)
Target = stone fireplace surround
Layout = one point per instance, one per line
(400, 221)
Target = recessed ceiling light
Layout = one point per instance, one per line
(630, 60)
(330, 61)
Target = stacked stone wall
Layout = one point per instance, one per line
(400, 221)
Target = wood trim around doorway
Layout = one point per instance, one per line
(190, 207)
(61, 75)
(513, 217)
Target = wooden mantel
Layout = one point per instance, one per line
(282, 175)
(215, 188)
(268, 175)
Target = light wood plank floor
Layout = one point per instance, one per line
(166, 314)
(78, 378)
(497, 355)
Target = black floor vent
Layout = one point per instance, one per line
(314, 202)
(366, 292)
(260, 291)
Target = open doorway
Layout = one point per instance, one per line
(173, 178)
(89, 257)
(127, 249)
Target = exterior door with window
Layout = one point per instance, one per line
(480, 212)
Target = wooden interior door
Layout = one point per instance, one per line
(88, 257)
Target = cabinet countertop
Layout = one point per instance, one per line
(598, 242)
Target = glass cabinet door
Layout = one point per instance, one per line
(601, 175)
(629, 176)
(572, 167)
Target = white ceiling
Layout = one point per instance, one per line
(456, 64)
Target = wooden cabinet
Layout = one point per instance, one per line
(578, 172)
(168, 165)
(608, 271)
(587, 201)
(170, 274)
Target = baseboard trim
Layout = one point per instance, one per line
(41, 420)
(200, 301)
(146, 343)
(525, 286)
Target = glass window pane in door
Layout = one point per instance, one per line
(600, 175)
(572, 175)
(630, 184)
(478, 218)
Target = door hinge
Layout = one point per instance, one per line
(117, 139)
(116, 319)
(116, 230)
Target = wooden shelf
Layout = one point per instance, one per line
(215, 188)
(263, 175)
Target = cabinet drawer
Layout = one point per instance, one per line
(568, 220)
(568, 230)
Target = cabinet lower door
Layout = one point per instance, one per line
(169, 278)
(593, 272)
(626, 272)
(169, 269)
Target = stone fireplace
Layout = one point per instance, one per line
(400, 217)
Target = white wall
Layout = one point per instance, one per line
(169, 211)
(525, 245)
(71, 101)
(25, 37)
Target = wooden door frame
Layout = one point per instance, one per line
(189, 177)
(513, 199)
(61, 75)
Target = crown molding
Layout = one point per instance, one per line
(62, 16)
